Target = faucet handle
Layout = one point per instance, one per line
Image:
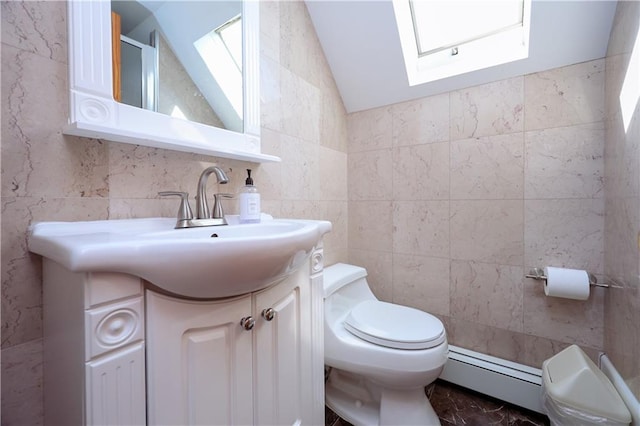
(184, 212)
(217, 212)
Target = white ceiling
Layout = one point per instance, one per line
(360, 40)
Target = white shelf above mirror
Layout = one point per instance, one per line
(95, 114)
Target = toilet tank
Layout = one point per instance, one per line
(346, 280)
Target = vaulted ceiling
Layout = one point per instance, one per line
(360, 40)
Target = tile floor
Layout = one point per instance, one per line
(459, 406)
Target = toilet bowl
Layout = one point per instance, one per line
(380, 355)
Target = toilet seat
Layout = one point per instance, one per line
(394, 326)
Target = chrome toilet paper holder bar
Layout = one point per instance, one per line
(538, 274)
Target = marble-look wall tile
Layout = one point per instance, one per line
(564, 233)
(486, 110)
(370, 225)
(369, 175)
(419, 172)
(487, 231)
(333, 122)
(300, 169)
(141, 172)
(335, 244)
(565, 96)
(268, 176)
(22, 384)
(424, 120)
(270, 92)
(300, 49)
(421, 282)
(487, 294)
(132, 208)
(421, 227)
(334, 174)
(516, 200)
(269, 32)
(379, 266)
(622, 173)
(301, 209)
(614, 75)
(564, 320)
(488, 167)
(621, 230)
(299, 119)
(622, 316)
(538, 349)
(36, 26)
(21, 270)
(565, 162)
(369, 130)
(33, 147)
(493, 341)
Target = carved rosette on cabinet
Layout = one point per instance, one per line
(114, 325)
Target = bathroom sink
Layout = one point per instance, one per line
(205, 262)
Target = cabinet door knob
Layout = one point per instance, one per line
(268, 314)
(247, 323)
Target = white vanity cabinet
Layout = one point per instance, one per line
(205, 359)
(118, 352)
(94, 356)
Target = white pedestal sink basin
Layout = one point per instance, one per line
(207, 262)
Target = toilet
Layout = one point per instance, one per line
(379, 355)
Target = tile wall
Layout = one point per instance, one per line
(622, 189)
(454, 197)
(50, 176)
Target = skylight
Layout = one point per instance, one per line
(444, 38)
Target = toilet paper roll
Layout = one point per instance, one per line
(567, 283)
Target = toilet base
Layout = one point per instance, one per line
(362, 402)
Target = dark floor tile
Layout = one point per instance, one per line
(459, 406)
(332, 419)
(456, 405)
(522, 417)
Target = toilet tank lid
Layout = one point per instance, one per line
(340, 274)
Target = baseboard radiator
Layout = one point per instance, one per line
(505, 380)
(516, 383)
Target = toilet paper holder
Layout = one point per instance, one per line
(538, 274)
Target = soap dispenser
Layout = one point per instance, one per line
(249, 201)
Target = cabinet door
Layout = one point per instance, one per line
(282, 354)
(198, 362)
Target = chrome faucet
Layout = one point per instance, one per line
(204, 217)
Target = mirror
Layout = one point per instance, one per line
(94, 112)
(191, 71)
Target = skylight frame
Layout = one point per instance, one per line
(505, 45)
